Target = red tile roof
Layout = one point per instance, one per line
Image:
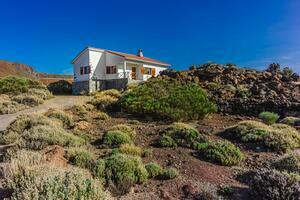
(138, 58)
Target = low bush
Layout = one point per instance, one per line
(289, 163)
(125, 170)
(60, 87)
(47, 182)
(222, 152)
(292, 121)
(147, 152)
(125, 129)
(38, 131)
(104, 102)
(99, 169)
(153, 170)
(40, 93)
(130, 149)
(79, 110)
(80, 157)
(64, 117)
(170, 173)
(112, 92)
(28, 176)
(166, 141)
(269, 184)
(102, 116)
(115, 138)
(9, 107)
(167, 99)
(28, 100)
(17, 85)
(183, 134)
(278, 137)
(269, 117)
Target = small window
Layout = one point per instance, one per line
(111, 69)
(148, 71)
(85, 70)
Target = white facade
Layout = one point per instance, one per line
(127, 66)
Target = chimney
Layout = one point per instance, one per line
(140, 53)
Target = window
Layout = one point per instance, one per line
(111, 69)
(85, 70)
(148, 71)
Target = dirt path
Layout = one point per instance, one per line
(60, 102)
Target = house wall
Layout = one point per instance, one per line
(98, 63)
(112, 60)
(157, 70)
(83, 60)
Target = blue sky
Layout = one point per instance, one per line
(251, 33)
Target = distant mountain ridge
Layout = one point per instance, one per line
(8, 68)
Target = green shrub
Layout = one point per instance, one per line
(167, 99)
(290, 163)
(80, 157)
(40, 93)
(278, 137)
(153, 170)
(130, 149)
(102, 116)
(147, 152)
(170, 173)
(125, 170)
(38, 131)
(183, 134)
(9, 107)
(292, 121)
(125, 129)
(17, 85)
(115, 138)
(269, 117)
(166, 141)
(28, 100)
(105, 99)
(64, 117)
(269, 184)
(79, 110)
(99, 169)
(47, 182)
(222, 152)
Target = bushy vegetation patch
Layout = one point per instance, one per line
(99, 169)
(167, 99)
(222, 152)
(125, 170)
(269, 184)
(130, 149)
(289, 163)
(170, 173)
(17, 85)
(102, 116)
(80, 157)
(183, 134)
(116, 138)
(153, 170)
(166, 141)
(292, 121)
(28, 176)
(269, 117)
(38, 131)
(64, 117)
(21, 93)
(278, 137)
(125, 129)
(106, 99)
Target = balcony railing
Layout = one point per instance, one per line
(124, 74)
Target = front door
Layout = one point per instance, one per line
(133, 73)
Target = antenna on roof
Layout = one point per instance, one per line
(140, 53)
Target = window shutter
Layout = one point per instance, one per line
(89, 69)
(142, 70)
(115, 69)
(108, 70)
(81, 70)
(153, 71)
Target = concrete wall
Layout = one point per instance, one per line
(81, 87)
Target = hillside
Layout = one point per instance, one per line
(8, 68)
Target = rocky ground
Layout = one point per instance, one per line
(246, 91)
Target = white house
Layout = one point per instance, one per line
(97, 69)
